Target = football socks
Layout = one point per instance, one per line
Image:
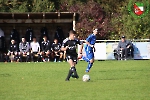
(89, 67)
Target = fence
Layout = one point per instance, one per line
(105, 49)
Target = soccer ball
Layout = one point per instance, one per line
(86, 78)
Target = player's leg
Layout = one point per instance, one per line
(20, 56)
(48, 55)
(122, 54)
(64, 56)
(71, 63)
(7, 56)
(28, 57)
(15, 56)
(32, 56)
(126, 53)
(60, 56)
(85, 56)
(91, 61)
(55, 56)
(42, 56)
(74, 75)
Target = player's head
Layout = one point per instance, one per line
(72, 34)
(13, 41)
(44, 38)
(123, 38)
(55, 41)
(34, 39)
(23, 39)
(95, 31)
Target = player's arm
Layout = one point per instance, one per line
(20, 47)
(28, 47)
(64, 46)
(88, 43)
(39, 49)
(80, 46)
(31, 48)
(129, 44)
(42, 46)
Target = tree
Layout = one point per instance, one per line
(91, 16)
(42, 6)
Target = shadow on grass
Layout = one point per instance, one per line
(5, 75)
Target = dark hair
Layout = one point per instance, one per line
(72, 32)
(123, 36)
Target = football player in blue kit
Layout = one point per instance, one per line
(90, 49)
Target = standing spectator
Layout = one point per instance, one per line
(24, 48)
(56, 52)
(123, 47)
(90, 49)
(35, 49)
(12, 54)
(69, 45)
(45, 49)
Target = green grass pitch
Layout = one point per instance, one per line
(110, 80)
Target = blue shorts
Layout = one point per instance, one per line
(90, 54)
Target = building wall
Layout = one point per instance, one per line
(21, 28)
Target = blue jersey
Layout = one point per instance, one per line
(91, 39)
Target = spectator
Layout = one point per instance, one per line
(24, 48)
(123, 47)
(45, 49)
(56, 52)
(12, 54)
(35, 49)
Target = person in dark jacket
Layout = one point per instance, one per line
(45, 49)
(12, 54)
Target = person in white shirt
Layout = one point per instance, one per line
(35, 49)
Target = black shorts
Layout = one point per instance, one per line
(35, 52)
(72, 57)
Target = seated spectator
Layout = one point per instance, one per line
(12, 54)
(45, 49)
(24, 48)
(35, 49)
(56, 52)
(123, 47)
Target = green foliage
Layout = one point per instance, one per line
(43, 6)
(19, 7)
(117, 20)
